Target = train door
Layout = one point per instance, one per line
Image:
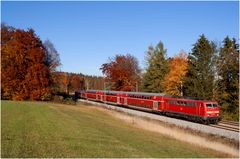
(155, 105)
(200, 109)
(125, 101)
(104, 98)
(166, 103)
(118, 100)
(162, 103)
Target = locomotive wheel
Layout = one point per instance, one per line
(207, 122)
(215, 121)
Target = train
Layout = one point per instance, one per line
(188, 108)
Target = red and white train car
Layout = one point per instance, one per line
(203, 111)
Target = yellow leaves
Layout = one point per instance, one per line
(178, 69)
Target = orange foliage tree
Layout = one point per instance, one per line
(76, 82)
(178, 69)
(123, 72)
(66, 82)
(24, 73)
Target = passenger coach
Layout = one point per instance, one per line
(203, 111)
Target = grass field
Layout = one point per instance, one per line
(37, 129)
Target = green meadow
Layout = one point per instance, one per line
(41, 129)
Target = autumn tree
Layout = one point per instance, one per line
(67, 81)
(52, 61)
(76, 82)
(24, 73)
(122, 71)
(173, 81)
(6, 33)
(228, 81)
(70, 82)
(94, 82)
(52, 58)
(199, 80)
(157, 68)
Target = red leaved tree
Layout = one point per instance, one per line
(122, 71)
(24, 73)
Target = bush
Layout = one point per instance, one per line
(64, 98)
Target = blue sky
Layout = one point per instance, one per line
(86, 34)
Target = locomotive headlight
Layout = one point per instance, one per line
(210, 112)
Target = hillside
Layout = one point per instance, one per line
(38, 129)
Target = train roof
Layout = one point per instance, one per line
(150, 94)
(133, 93)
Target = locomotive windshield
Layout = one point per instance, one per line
(211, 105)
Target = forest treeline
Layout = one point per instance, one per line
(29, 68)
(209, 71)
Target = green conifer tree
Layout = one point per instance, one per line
(199, 81)
(157, 68)
(228, 83)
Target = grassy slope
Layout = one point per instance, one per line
(35, 129)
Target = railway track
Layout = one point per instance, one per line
(227, 125)
(230, 122)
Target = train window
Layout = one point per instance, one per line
(172, 102)
(209, 105)
(214, 105)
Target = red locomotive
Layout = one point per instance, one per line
(203, 111)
